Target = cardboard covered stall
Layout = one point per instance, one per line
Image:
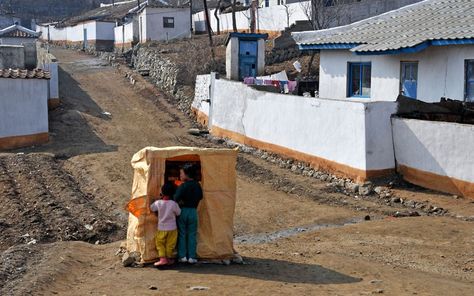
(154, 166)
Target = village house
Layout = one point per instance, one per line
(355, 127)
(25, 41)
(18, 35)
(120, 25)
(24, 100)
(424, 51)
(154, 21)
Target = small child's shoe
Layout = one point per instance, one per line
(170, 261)
(192, 261)
(183, 260)
(163, 261)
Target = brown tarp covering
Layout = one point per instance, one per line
(216, 210)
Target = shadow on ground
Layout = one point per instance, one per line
(70, 132)
(275, 270)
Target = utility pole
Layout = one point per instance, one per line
(253, 8)
(191, 14)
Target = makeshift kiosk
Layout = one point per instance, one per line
(153, 166)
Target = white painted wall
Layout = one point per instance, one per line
(201, 93)
(95, 31)
(126, 33)
(356, 134)
(23, 107)
(440, 73)
(151, 27)
(76, 33)
(441, 148)
(273, 18)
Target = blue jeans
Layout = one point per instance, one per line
(187, 232)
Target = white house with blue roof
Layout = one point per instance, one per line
(424, 51)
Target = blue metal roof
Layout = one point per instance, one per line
(246, 36)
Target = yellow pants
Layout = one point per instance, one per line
(165, 242)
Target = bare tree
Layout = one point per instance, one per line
(289, 11)
(323, 14)
(216, 11)
(209, 30)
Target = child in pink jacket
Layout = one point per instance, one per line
(167, 233)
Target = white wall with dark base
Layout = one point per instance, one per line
(440, 73)
(23, 107)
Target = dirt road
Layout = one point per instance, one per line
(61, 214)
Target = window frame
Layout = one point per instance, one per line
(166, 24)
(349, 79)
(466, 83)
(400, 90)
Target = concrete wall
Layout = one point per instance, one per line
(23, 111)
(100, 35)
(12, 56)
(270, 19)
(48, 62)
(436, 155)
(126, 34)
(200, 103)
(440, 73)
(152, 24)
(347, 137)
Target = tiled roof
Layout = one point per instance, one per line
(24, 74)
(116, 12)
(18, 31)
(406, 27)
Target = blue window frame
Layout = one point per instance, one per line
(469, 87)
(359, 77)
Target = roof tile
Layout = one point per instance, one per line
(405, 27)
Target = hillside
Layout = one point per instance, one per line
(47, 10)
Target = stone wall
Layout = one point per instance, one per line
(168, 75)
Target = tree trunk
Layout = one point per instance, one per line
(234, 20)
(311, 63)
(217, 18)
(209, 30)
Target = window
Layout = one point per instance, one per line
(168, 22)
(469, 74)
(409, 79)
(267, 3)
(359, 80)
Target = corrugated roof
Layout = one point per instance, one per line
(405, 27)
(25, 74)
(18, 31)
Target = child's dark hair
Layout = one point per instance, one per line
(168, 189)
(190, 170)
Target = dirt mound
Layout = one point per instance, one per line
(41, 202)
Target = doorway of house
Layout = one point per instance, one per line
(247, 58)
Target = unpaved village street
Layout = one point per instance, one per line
(62, 218)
